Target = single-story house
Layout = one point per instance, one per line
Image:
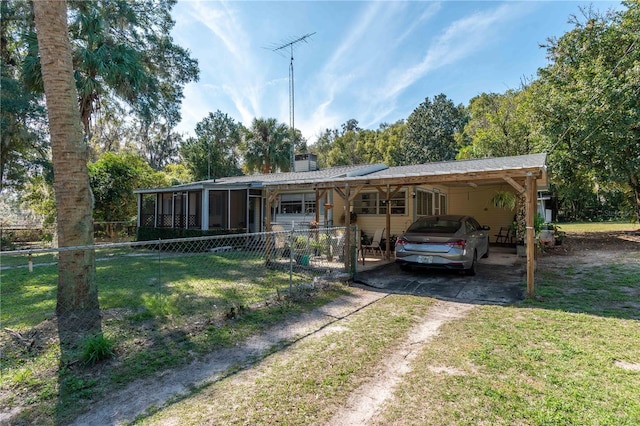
(375, 195)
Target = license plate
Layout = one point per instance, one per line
(425, 259)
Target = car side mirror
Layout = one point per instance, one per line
(485, 228)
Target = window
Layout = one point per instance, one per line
(291, 203)
(148, 210)
(398, 203)
(297, 204)
(165, 210)
(218, 209)
(373, 203)
(365, 203)
(429, 203)
(195, 210)
(309, 204)
(424, 203)
(443, 204)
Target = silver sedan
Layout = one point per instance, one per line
(448, 241)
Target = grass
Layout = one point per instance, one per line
(570, 356)
(524, 366)
(581, 227)
(160, 310)
(309, 382)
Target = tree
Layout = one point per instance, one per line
(177, 174)
(214, 151)
(430, 131)
(499, 125)
(344, 147)
(22, 145)
(113, 178)
(123, 50)
(267, 146)
(384, 145)
(77, 305)
(158, 143)
(589, 100)
(352, 145)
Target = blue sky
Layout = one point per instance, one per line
(372, 61)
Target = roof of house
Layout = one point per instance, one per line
(265, 179)
(372, 173)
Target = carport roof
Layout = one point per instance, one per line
(474, 171)
(483, 170)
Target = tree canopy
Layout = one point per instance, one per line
(499, 125)
(214, 151)
(123, 50)
(23, 145)
(267, 146)
(113, 178)
(430, 131)
(588, 99)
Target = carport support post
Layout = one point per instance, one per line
(347, 231)
(387, 249)
(530, 211)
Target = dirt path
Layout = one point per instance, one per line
(365, 403)
(139, 396)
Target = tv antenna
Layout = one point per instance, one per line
(290, 45)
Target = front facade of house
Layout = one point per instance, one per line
(312, 195)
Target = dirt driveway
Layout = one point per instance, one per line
(499, 279)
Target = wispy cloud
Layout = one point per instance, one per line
(428, 13)
(352, 60)
(222, 22)
(239, 80)
(462, 38)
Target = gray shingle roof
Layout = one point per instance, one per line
(371, 171)
(464, 166)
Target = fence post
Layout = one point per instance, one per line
(291, 245)
(353, 252)
(159, 266)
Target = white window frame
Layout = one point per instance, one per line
(436, 203)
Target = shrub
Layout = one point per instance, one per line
(96, 348)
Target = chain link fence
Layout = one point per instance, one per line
(187, 280)
(161, 303)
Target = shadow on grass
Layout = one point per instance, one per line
(160, 309)
(602, 290)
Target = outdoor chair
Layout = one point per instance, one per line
(375, 243)
(504, 235)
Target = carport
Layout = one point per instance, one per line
(524, 173)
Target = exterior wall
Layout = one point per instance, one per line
(476, 202)
(370, 223)
(460, 200)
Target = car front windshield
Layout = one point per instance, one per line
(435, 226)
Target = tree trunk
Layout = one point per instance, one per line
(77, 306)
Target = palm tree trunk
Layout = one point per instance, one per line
(77, 299)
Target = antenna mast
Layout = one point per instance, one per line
(284, 46)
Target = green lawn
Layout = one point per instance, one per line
(160, 310)
(598, 227)
(569, 357)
